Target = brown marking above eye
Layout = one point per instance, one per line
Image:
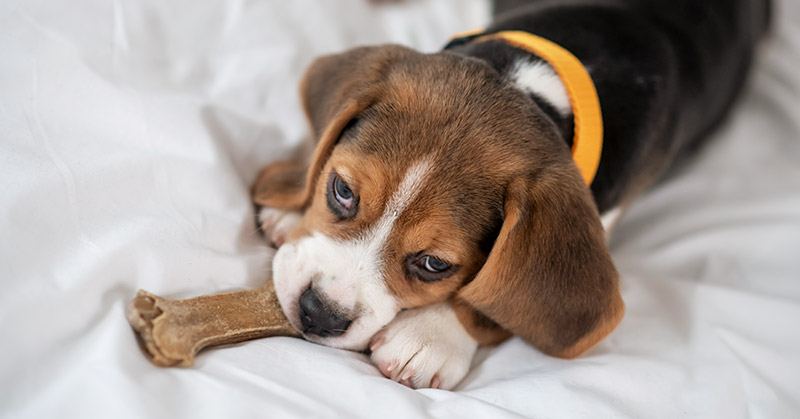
(341, 199)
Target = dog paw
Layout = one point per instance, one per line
(424, 347)
(277, 223)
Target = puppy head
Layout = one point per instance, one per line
(434, 178)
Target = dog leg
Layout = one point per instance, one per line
(277, 223)
(424, 347)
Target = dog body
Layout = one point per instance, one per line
(442, 210)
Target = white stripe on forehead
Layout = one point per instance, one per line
(409, 187)
(412, 182)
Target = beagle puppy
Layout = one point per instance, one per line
(444, 207)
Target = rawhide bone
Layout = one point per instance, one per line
(171, 332)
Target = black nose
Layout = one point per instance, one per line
(318, 319)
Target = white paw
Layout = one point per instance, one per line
(277, 223)
(424, 347)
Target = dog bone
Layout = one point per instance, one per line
(171, 332)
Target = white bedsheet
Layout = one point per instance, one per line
(131, 131)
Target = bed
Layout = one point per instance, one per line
(130, 133)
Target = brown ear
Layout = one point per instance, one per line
(549, 277)
(334, 90)
(281, 185)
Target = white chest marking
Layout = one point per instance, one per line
(542, 80)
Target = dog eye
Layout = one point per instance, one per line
(342, 193)
(431, 264)
(342, 201)
(427, 268)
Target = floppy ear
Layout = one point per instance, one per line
(281, 185)
(549, 277)
(334, 90)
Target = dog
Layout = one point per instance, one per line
(445, 207)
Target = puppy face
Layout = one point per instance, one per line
(419, 163)
(397, 220)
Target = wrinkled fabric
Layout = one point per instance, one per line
(131, 132)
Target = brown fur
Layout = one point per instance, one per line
(503, 203)
(481, 328)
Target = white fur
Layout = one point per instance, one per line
(409, 187)
(348, 274)
(542, 80)
(276, 224)
(425, 347)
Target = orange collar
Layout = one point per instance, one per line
(587, 144)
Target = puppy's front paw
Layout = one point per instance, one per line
(277, 223)
(424, 347)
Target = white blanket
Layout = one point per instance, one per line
(131, 131)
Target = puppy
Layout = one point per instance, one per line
(455, 199)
